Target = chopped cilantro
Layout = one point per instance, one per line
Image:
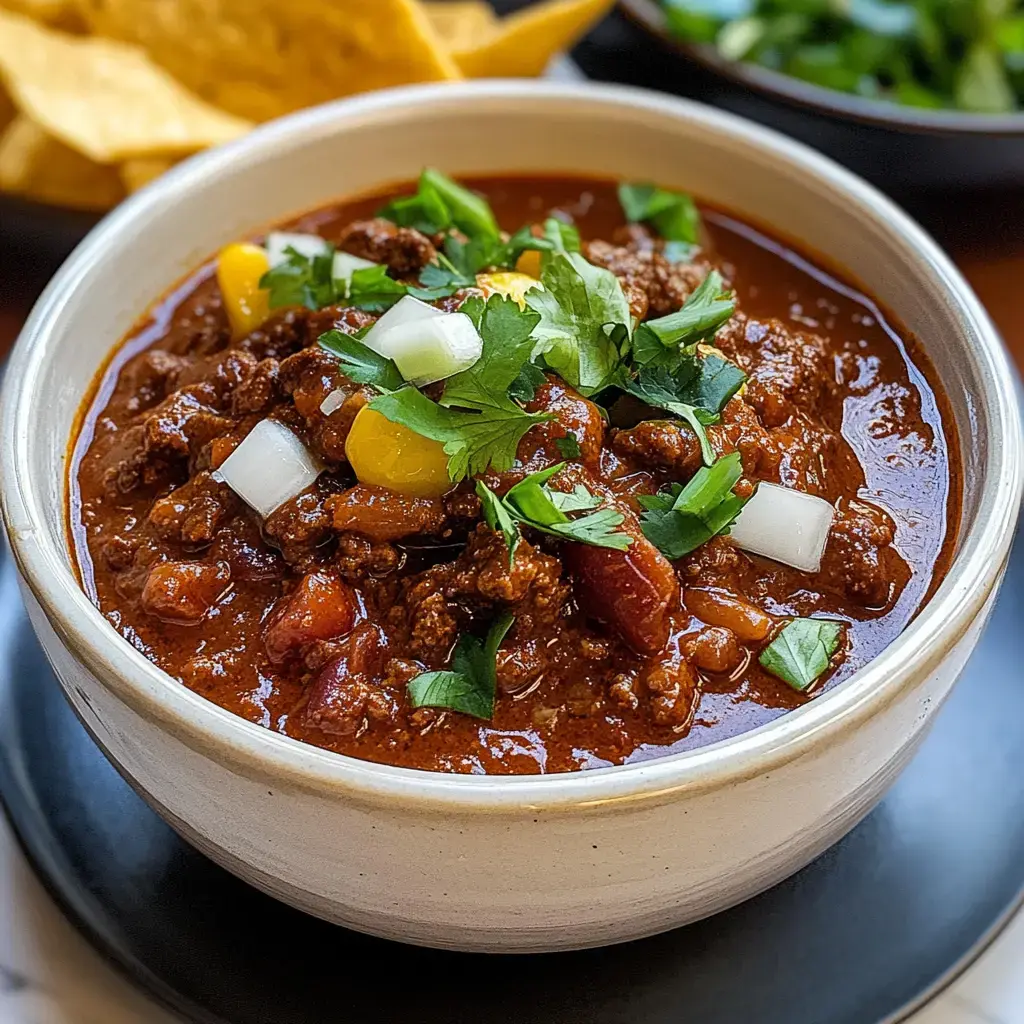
(801, 653)
(524, 387)
(697, 392)
(441, 204)
(563, 237)
(584, 320)
(672, 214)
(479, 425)
(301, 281)
(569, 446)
(471, 684)
(679, 519)
(532, 503)
(706, 309)
(371, 289)
(360, 363)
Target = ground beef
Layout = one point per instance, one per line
(787, 368)
(405, 250)
(191, 514)
(383, 515)
(667, 445)
(860, 554)
(302, 528)
(259, 391)
(645, 272)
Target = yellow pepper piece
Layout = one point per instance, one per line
(239, 269)
(529, 263)
(386, 454)
(509, 283)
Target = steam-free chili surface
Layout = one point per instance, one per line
(839, 402)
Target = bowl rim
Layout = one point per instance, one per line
(258, 753)
(830, 102)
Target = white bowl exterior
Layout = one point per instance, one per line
(509, 864)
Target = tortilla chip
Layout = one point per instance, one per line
(105, 99)
(461, 24)
(36, 165)
(523, 44)
(137, 173)
(8, 111)
(61, 14)
(262, 58)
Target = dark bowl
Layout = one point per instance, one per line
(900, 148)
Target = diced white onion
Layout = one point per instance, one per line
(785, 525)
(306, 245)
(406, 310)
(428, 350)
(345, 265)
(269, 467)
(334, 401)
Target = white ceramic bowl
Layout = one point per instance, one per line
(530, 863)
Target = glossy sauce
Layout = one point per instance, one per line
(887, 410)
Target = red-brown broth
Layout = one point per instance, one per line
(888, 408)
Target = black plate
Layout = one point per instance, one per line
(883, 919)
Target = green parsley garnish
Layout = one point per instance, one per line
(801, 653)
(359, 362)
(709, 306)
(583, 330)
(568, 446)
(301, 281)
(532, 503)
(524, 387)
(471, 684)
(441, 204)
(371, 289)
(697, 392)
(672, 214)
(479, 425)
(680, 519)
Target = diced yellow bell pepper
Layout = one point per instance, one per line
(509, 283)
(239, 269)
(529, 263)
(386, 454)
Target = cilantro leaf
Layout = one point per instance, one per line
(473, 441)
(568, 446)
(470, 686)
(532, 503)
(528, 380)
(441, 203)
(468, 211)
(498, 518)
(371, 289)
(507, 335)
(360, 363)
(681, 519)
(706, 309)
(563, 237)
(801, 653)
(696, 391)
(584, 320)
(672, 214)
(578, 499)
(479, 425)
(301, 281)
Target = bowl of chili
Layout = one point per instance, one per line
(790, 358)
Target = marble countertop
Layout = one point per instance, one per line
(50, 975)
